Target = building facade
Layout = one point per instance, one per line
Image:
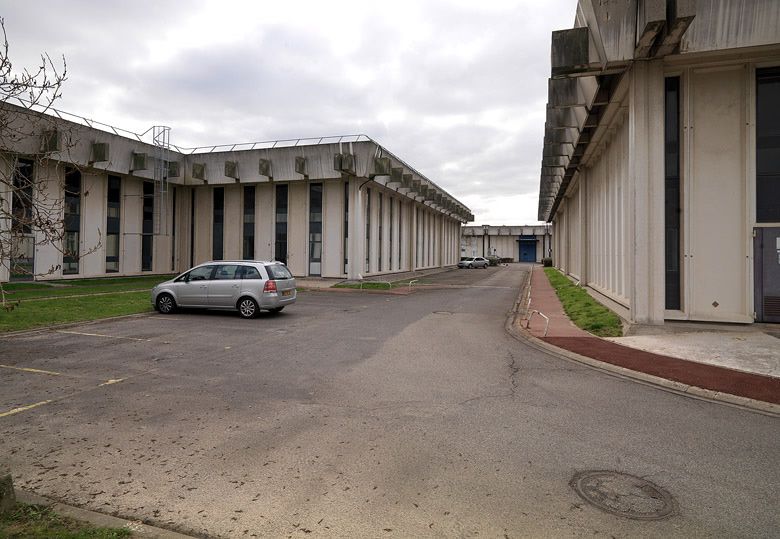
(661, 161)
(529, 243)
(341, 207)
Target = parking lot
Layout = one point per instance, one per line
(357, 414)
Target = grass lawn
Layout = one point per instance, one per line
(31, 314)
(40, 522)
(583, 310)
(80, 287)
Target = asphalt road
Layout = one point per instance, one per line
(367, 415)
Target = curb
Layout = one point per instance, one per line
(515, 329)
(138, 528)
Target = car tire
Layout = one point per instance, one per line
(276, 310)
(165, 304)
(247, 307)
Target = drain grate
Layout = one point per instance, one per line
(624, 495)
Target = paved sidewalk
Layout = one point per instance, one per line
(562, 333)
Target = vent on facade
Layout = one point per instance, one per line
(771, 306)
(300, 165)
(51, 141)
(381, 167)
(231, 169)
(173, 169)
(99, 152)
(265, 168)
(140, 161)
(199, 171)
(344, 162)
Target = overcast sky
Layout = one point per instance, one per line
(455, 88)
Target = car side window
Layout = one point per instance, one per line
(248, 272)
(225, 272)
(200, 274)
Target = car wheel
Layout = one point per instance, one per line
(276, 310)
(166, 304)
(247, 308)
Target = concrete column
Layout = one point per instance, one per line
(646, 192)
(357, 232)
(582, 200)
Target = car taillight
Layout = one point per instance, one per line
(270, 286)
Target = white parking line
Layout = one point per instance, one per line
(27, 369)
(23, 408)
(101, 335)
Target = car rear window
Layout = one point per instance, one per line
(277, 271)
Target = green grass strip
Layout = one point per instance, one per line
(79, 287)
(40, 522)
(32, 314)
(583, 310)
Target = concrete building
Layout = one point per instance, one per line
(661, 161)
(341, 207)
(528, 243)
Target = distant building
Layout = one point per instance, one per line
(517, 243)
(661, 161)
(342, 207)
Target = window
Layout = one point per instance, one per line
(203, 273)
(70, 253)
(113, 223)
(248, 272)
(315, 229)
(368, 230)
(192, 227)
(147, 227)
(218, 223)
(226, 272)
(379, 226)
(278, 271)
(768, 145)
(391, 250)
(23, 249)
(280, 242)
(346, 227)
(672, 192)
(248, 251)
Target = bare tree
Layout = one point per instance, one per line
(32, 178)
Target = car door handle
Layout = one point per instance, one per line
(235, 286)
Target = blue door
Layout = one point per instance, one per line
(528, 250)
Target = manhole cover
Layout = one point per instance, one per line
(624, 495)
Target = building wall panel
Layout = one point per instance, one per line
(717, 195)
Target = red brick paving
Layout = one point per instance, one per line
(564, 334)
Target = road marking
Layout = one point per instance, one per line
(111, 381)
(101, 335)
(23, 408)
(27, 369)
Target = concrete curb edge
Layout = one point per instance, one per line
(514, 328)
(138, 528)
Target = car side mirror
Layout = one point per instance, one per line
(187, 278)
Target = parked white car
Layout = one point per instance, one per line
(248, 286)
(474, 262)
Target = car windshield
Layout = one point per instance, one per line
(278, 271)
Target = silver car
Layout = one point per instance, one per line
(474, 262)
(248, 286)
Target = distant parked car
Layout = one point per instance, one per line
(473, 262)
(247, 286)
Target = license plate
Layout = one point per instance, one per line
(287, 292)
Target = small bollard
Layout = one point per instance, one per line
(7, 496)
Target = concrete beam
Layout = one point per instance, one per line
(563, 118)
(570, 52)
(680, 20)
(651, 18)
